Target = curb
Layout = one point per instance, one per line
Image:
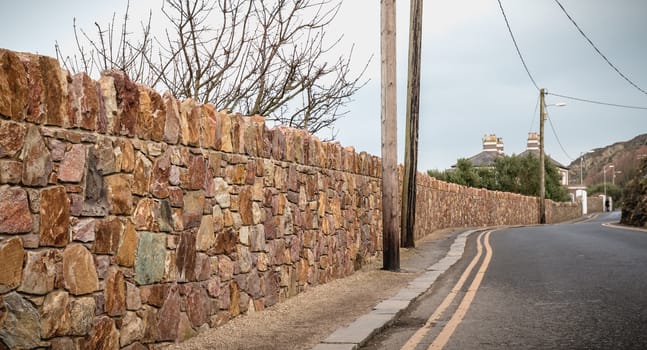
(624, 227)
(356, 334)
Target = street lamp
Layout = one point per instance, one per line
(613, 179)
(542, 161)
(604, 176)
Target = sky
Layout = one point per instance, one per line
(473, 82)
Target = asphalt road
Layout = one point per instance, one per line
(568, 286)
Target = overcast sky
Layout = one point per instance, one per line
(473, 82)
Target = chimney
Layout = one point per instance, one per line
(533, 141)
(499, 145)
(490, 143)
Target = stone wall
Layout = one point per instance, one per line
(129, 219)
(442, 205)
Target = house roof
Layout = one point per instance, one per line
(484, 159)
(535, 153)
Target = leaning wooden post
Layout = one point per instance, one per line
(408, 218)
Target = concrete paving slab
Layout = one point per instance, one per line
(360, 330)
(391, 304)
(324, 346)
(406, 294)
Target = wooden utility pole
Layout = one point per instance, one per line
(542, 171)
(408, 218)
(390, 238)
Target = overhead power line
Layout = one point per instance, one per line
(597, 50)
(534, 114)
(558, 141)
(597, 102)
(517, 46)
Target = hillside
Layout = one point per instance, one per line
(623, 155)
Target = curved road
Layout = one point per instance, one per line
(567, 286)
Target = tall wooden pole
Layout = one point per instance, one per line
(408, 218)
(542, 171)
(391, 241)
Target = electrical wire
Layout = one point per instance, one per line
(598, 50)
(534, 114)
(597, 102)
(558, 141)
(517, 46)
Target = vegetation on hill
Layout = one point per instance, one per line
(611, 167)
(624, 156)
(517, 174)
(634, 208)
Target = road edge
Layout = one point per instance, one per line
(357, 333)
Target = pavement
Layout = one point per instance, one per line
(384, 313)
(344, 313)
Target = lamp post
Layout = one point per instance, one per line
(604, 177)
(613, 179)
(542, 172)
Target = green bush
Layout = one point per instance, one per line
(510, 174)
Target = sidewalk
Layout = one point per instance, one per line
(344, 313)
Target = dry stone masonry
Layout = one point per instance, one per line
(130, 219)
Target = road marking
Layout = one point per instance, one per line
(449, 329)
(420, 333)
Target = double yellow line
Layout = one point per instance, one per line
(441, 340)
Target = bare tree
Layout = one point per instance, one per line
(256, 57)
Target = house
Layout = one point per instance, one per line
(493, 149)
(532, 147)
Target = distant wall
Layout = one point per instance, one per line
(441, 205)
(130, 219)
(595, 204)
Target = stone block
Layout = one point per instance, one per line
(127, 95)
(132, 330)
(15, 216)
(12, 255)
(115, 292)
(159, 181)
(84, 99)
(82, 312)
(20, 327)
(142, 175)
(55, 318)
(190, 116)
(197, 305)
(172, 125)
(108, 233)
(84, 230)
(40, 272)
(95, 199)
(192, 210)
(54, 92)
(37, 161)
(10, 172)
(104, 335)
(127, 247)
(14, 86)
(54, 217)
(79, 272)
(151, 255)
(119, 195)
(73, 165)
(12, 137)
(169, 316)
